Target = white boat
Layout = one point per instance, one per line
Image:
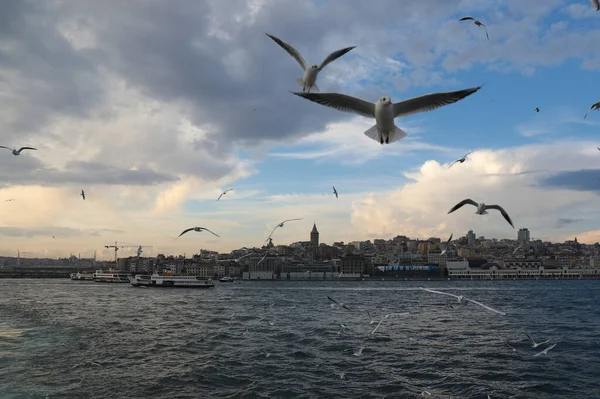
(226, 279)
(111, 277)
(158, 280)
(82, 276)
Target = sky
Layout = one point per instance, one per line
(156, 107)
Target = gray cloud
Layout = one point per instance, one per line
(562, 222)
(30, 170)
(579, 180)
(49, 231)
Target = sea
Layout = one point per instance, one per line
(282, 339)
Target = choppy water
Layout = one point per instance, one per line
(67, 339)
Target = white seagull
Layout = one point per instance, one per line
(384, 111)
(197, 229)
(509, 345)
(516, 249)
(335, 192)
(340, 304)
(482, 209)
(18, 152)
(224, 192)
(545, 351)
(359, 351)
(280, 225)
(536, 344)
(82, 194)
(478, 23)
(594, 107)
(462, 300)
(371, 321)
(447, 244)
(461, 160)
(387, 316)
(309, 81)
(595, 4)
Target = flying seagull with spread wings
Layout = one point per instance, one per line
(447, 245)
(18, 152)
(224, 192)
(280, 225)
(384, 112)
(82, 194)
(309, 81)
(594, 107)
(335, 192)
(462, 300)
(461, 160)
(478, 23)
(482, 209)
(197, 229)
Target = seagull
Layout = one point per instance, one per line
(387, 316)
(280, 225)
(18, 152)
(422, 395)
(309, 81)
(516, 249)
(447, 244)
(197, 229)
(545, 351)
(223, 193)
(595, 4)
(340, 304)
(359, 351)
(537, 109)
(262, 259)
(510, 346)
(335, 192)
(481, 209)
(8, 200)
(594, 107)
(371, 321)
(82, 195)
(462, 300)
(478, 23)
(536, 344)
(53, 237)
(384, 112)
(461, 160)
(139, 251)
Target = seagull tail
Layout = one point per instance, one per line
(397, 135)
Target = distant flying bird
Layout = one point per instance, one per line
(594, 107)
(18, 152)
(481, 209)
(82, 195)
(280, 225)
(447, 244)
(53, 237)
(461, 160)
(335, 192)
(478, 23)
(462, 300)
(384, 112)
(536, 344)
(516, 249)
(545, 351)
(309, 81)
(139, 251)
(340, 304)
(224, 192)
(537, 109)
(12, 199)
(595, 4)
(371, 321)
(197, 229)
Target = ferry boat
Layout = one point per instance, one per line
(110, 277)
(82, 276)
(226, 279)
(158, 280)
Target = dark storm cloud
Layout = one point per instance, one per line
(580, 180)
(25, 170)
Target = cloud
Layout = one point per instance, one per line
(580, 180)
(49, 231)
(561, 222)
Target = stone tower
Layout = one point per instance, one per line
(314, 236)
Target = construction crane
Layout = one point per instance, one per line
(117, 247)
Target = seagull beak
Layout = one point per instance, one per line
(389, 102)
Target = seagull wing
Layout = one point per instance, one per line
(595, 4)
(502, 211)
(290, 220)
(204, 228)
(290, 50)
(449, 239)
(185, 231)
(228, 190)
(530, 338)
(370, 318)
(429, 102)
(334, 56)
(463, 202)
(467, 154)
(1, 146)
(486, 32)
(332, 300)
(467, 19)
(27, 148)
(485, 306)
(452, 164)
(220, 196)
(438, 292)
(341, 102)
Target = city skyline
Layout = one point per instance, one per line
(154, 115)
